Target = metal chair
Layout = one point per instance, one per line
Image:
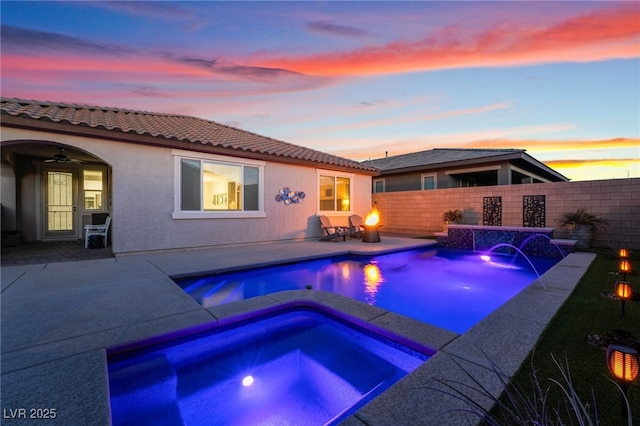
(101, 230)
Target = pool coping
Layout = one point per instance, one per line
(49, 361)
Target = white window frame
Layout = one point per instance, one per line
(435, 181)
(189, 155)
(334, 174)
(379, 180)
(105, 193)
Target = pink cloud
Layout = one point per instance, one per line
(150, 74)
(609, 162)
(605, 34)
(422, 117)
(560, 145)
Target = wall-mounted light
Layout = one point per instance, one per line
(623, 364)
(623, 291)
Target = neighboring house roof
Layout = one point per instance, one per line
(440, 158)
(179, 131)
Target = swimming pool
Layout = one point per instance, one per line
(292, 366)
(453, 290)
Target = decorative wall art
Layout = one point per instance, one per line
(533, 211)
(492, 211)
(287, 196)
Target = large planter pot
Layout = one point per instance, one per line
(583, 235)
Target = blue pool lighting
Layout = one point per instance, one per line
(306, 366)
(453, 290)
(247, 381)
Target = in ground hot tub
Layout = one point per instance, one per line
(297, 366)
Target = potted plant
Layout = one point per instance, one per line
(582, 226)
(452, 216)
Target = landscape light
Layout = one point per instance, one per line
(623, 253)
(624, 267)
(623, 364)
(623, 291)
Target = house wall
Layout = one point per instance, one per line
(413, 180)
(142, 199)
(402, 182)
(419, 213)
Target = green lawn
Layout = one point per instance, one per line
(587, 312)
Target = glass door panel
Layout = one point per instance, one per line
(60, 210)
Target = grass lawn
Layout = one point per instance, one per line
(587, 312)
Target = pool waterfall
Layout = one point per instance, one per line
(531, 241)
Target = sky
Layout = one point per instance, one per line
(353, 78)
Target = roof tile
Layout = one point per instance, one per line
(170, 126)
(437, 156)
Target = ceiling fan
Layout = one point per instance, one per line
(61, 157)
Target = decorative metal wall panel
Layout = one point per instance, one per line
(492, 211)
(533, 211)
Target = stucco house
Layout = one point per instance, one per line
(456, 168)
(168, 181)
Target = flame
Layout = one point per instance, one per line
(372, 218)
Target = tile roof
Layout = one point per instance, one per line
(438, 157)
(172, 127)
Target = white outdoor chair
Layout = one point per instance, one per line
(102, 230)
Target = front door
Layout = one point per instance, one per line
(60, 200)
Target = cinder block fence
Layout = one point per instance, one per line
(420, 213)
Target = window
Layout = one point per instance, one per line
(334, 192)
(378, 185)
(221, 185)
(429, 181)
(92, 184)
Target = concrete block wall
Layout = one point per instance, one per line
(419, 213)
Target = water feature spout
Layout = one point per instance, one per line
(519, 251)
(530, 237)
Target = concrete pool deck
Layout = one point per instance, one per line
(59, 318)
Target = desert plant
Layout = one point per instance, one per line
(453, 215)
(582, 217)
(517, 407)
(583, 225)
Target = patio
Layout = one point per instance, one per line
(51, 252)
(58, 318)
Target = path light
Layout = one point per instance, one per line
(623, 291)
(624, 268)
(623, 363)
(623, 253)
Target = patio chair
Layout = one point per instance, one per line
(333, 232)
(98, 230)
(356, 226)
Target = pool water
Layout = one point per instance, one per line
(300, 366)
(453, 290)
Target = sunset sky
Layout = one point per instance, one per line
(353, 78)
